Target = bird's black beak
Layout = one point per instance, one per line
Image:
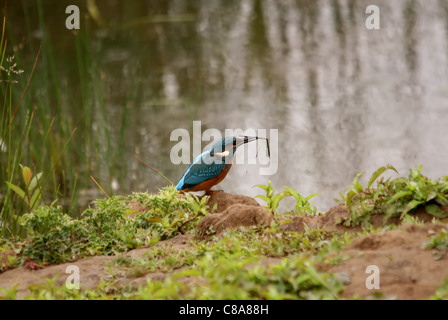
(249, 139)
(244, 140)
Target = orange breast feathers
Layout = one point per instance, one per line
(208, 184)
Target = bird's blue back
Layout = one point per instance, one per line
(204, 166)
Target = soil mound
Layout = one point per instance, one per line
(237, 215)
(224, 200)
(232, 211)
(332, 220)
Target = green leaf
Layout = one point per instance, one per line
(312, 195)
(431, 196)
(375, 175)
(129, 212)
(436, 211)
(397, 196)
(17, 190)
(263, 198)
(34, 181)
(376, 195)
(411, 205)
(414, 174)
(277, 198)
(399, 181)
(392, 168)
(293, 192)
(356, 184)
(187, 273)
(348, 199)
(265, 188)
(442, 200)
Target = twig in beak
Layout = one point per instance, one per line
(247, 139)
(269, 150)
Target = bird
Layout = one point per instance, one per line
(212, 166)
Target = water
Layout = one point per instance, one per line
(344, 99)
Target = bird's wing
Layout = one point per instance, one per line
(199, 172)
(202, 172)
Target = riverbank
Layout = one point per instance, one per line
(242, 251)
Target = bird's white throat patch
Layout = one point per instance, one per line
(222, 154)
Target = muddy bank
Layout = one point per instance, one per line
(407, 271)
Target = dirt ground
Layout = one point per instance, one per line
(92, 270)
(406, 270)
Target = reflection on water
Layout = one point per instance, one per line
(345, 99)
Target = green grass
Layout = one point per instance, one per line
(11, 149)
(54, 119)
(243, 263)
(227, 267)
(292, 278)
(395, 197)
(106, 227)
(230, 267)
(110, 226)
(236, 244)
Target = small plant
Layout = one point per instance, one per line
(439, 244)
(167, 214)
(272, 201)
(32, 199)
(199, 206)
(10, 294)
(157, 260)
(396, 197)
(8, 254)
(53, 236)
(441, 292)
(302, 206)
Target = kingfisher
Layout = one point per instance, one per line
(211, 167)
